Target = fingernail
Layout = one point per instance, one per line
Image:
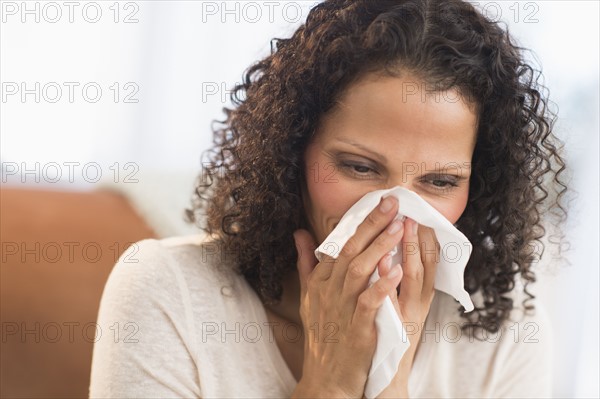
(394, 227)
(394, 272)
(387, 261)
(386, 205)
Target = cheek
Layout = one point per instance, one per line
(329, 195)
(453, 208)
(322, 196)
(327, 201)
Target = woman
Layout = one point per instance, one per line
(366, 95)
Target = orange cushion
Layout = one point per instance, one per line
(58, 249)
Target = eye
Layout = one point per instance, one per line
(442, 183)
(357, 169)
(361, 168)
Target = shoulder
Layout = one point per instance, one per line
(154, 301)
(527, 351)
(522, 325)
(178, 280)
(514, 361)
(154, 266)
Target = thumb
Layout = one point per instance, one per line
(305, 245)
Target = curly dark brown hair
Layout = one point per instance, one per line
(249, 194)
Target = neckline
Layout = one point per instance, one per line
(270, 348)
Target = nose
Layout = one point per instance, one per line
(398, 182)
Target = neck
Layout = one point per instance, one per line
(289, 306)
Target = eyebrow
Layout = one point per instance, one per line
(362, 147)
(383, 159)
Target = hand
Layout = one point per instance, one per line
(338, 308)
(420, 255)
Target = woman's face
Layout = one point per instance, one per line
(386, 132)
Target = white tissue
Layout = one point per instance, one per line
(455, 250)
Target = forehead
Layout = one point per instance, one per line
(403, 116)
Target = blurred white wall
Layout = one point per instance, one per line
(171, 63)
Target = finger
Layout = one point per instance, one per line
(384, 265)
(305, 245)
(430, 256)
(372, 298)
(412, 281)
(365, 233)
(362, 266)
